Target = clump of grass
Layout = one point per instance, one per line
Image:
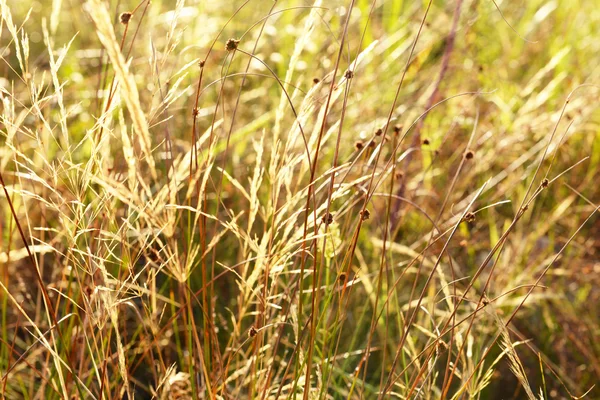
(267, 200)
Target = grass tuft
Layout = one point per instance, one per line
(299, 200)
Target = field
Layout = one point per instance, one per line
(298, 199)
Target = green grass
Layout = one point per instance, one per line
(357, 200)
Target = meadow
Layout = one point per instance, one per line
(298, 199)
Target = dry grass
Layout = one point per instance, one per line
(303, 200)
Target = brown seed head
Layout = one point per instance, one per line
(359, 145)
(125, 17)
(349, 74)
(545, 183)
(379, 132)
(371, 143)
(327, 218)
(469, 154)
(201, 63)
(252, 331)
(426, 142)
(469, 217)
(398, 128)
(365, 214)
(316, 80)
(231, 44)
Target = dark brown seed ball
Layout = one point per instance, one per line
(231, 44)
(365, 214)
(469, 217)
(125, 17)
(545, 183)
(252, 331)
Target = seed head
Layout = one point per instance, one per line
(125, 17)
(349, 74)
(371, 143)
(545, 183)
(195, 112)
(327, 219)
(232, 44)
(426, 142)
(252, 331)
(342, 277)
(469, 217)
(359, 145)
(201, 63)
(469, 154)
(365, 214)
(316, 80)
(379, 132)
(398, 128)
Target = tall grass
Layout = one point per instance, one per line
(299, 200)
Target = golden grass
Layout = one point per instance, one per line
(304, 200)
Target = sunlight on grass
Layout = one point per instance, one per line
(299, 199)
